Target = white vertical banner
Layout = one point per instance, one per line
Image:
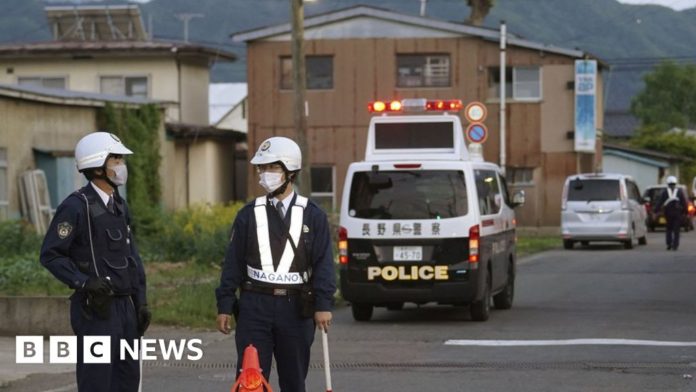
(585, 105)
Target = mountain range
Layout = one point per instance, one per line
(629, 38)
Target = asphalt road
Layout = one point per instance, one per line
(637, 308)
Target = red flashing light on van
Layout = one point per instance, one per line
(415, 105)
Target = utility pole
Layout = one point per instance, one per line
(503, 72)
(299, 78)
(186, 17)
(423, 5)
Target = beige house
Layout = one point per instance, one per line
(39, 130)
(103, 49)
(361, 54)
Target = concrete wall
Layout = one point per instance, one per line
(35, 316)
(194, 80)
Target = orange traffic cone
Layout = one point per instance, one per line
(250, 377)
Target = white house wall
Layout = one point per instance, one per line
(645, 175)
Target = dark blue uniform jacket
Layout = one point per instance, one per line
(244, 245)
(673, 209)
(66, 250)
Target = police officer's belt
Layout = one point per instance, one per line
(248, 286)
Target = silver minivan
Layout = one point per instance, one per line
(602, 207)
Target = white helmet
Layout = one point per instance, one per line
(671, 180)
(279, 149)
(92, 150)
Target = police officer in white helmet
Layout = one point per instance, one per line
(89, 247)
(672, 202)
(280, 258)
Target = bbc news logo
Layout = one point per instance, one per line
(97, 349)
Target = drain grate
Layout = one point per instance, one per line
(573, 365)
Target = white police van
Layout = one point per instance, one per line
(423, 219)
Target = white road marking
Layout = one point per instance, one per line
(567, 342)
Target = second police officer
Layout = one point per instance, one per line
(89, 247)
(673, 204)
(280, 257)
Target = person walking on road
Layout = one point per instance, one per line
(280, 258)
(673, 203)
(89, 247)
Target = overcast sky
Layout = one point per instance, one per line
(676, 4)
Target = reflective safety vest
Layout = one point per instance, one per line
(287, 272)
(671, 196)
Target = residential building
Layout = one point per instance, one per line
(364, 53)
(105, 50)
(40, 129)
(646, 166)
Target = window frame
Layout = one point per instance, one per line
(148, 84)
(423, 77)
(290, 87)
(512, 178)
(42, 78)
(515, 83)
(512, 84)
(331, 194)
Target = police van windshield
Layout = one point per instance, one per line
(593, 190)
(431, 194)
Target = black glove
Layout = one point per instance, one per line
(144, 317)
(97, 286)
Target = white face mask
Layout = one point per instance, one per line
(120, 174)
(270, 181)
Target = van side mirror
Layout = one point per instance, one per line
(518, 198)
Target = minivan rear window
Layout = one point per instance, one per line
(418, 194)
(593, 190)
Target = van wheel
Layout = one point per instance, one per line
(480, 310)
(643, 240)
(628, 244)
(567, 244)
(503, 300)
(395, 306)
(361, 312)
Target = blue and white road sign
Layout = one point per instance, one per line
(476, 133)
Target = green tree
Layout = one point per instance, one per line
(666, 108)
(479, 11)
(668, 99)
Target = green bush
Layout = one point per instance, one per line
(18, 237)
(199, 233)
(139, 130)
(24, 275)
